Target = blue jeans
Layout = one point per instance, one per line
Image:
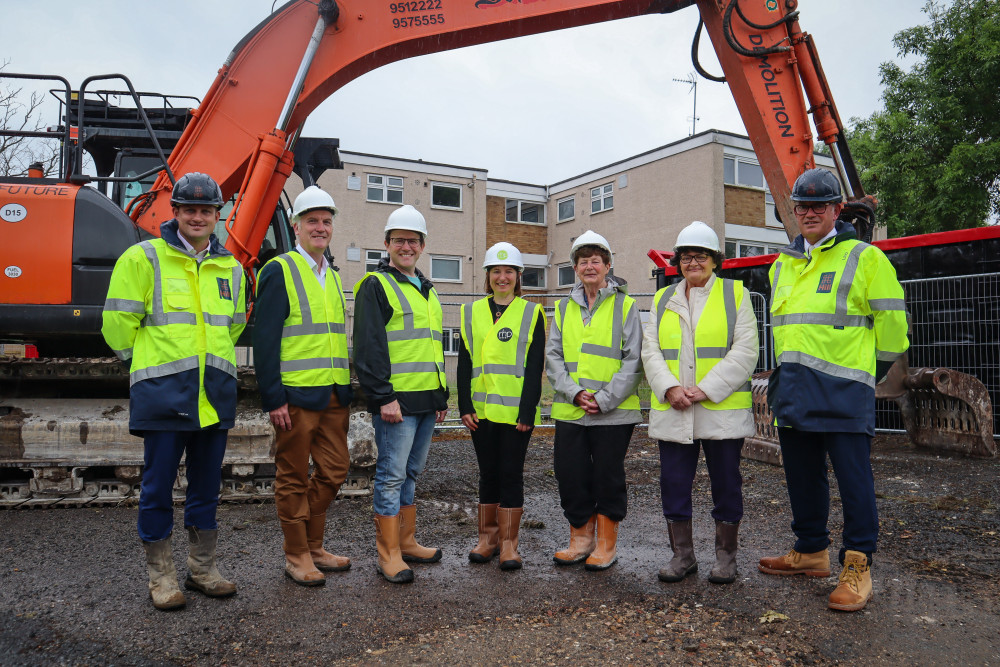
(163, 450)
(402, 453)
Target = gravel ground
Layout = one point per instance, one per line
(72, 582)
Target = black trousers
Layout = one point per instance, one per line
(500, 451)
(590, 468)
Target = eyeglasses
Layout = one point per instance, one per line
(818, 209)
(700, 258)
(399, 243)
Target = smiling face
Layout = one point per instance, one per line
(405, 248)
(196, 222)
(696, 265)
(314, 230)
(592, 271)
(503, 280)
(813, 224)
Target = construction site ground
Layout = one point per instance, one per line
(73, 581)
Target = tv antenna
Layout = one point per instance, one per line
(692, 80)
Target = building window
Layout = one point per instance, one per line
(567, 277)
(533, 277)
(451, 339)
(446, 195)
(602, 198)
(448, 269)
(529, 212)
(372, 258)
(737, 171)
(566, 208)
(737, 248)
(388, 189)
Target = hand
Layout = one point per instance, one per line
(281, 419)
(390, 413)
(677, 398)
(586, 400)
(524, 427)
(471, 421)
(440, 415)
(695, 395)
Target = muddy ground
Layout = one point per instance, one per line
(72, 582)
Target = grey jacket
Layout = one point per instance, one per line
(624, 382)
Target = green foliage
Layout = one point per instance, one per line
(932, 155)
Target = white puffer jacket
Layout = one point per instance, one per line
(697, 422)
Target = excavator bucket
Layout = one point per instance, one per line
(763, 445)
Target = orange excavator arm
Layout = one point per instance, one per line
(243, 132)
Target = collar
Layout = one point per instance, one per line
(316, 268)
(169, 233)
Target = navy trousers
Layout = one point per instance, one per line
(204, 449)
(678, 464)
(805, 454)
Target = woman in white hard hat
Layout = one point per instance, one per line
(499, 386)
(699, 350)
(593, 363)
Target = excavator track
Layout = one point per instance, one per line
(58, 449)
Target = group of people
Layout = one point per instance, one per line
(177, 305)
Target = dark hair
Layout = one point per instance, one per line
(517, 283)
(590, 251)
(716, 256)
(389, 231)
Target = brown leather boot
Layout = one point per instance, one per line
(299, 566)
(413, 552)
(163, 588)
(509, 519)
(726, 538)
(816, 564)
(581, 544)
(323, 559)
(203, 575)
(390, 562)
(606, 553)
(489, 534)
(681, 542)
(855, 587)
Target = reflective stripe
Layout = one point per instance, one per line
(601, 351)
(823, 366)
(522, 342)
(237, 286)
(671, 355)
(847, 277)
(300, 292)
(504, 369)
(661, 308)
(571, 366)
(414, 367)
(882, 355)
(240, 318)
(827, 319)
(777, 272)
(124, 306)
(310, 329)
(157, 305)
(496, 399)
(887, 304)
(477, 371)
(124, 355)
(404, 304)
(162, 319)
(467, 312)
(729, 299)
(305, 365)
(217, 320)
(221, 364)
(592, 385)
(411, 333)
(169, 368)
(711, 352)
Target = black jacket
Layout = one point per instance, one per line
(371, 348)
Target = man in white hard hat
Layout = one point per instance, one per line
(399, 360)
(300, 353)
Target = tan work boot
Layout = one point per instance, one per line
(299, 566)
(509, 519)
(390, 562)
(855, 587)
(203, 576)
(581, 544)
(413, 552)
(606, 553)
(489, 534)
(163, 588)
(812, 565)
(323, 559)
(682, 543)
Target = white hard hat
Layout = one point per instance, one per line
(310, 199)
(697, 235)
(503, 254)
(590, 238)
(407, 217)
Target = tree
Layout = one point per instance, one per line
(932, 155)
(19, 113)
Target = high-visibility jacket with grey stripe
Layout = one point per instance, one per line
(314, 334)
(838, 318)
(499, 351)
(713, 339)
(176, 322)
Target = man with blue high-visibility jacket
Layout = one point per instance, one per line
(175, 308)
(839, 322)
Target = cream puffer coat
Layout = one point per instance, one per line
(697, 422)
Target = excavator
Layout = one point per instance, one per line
(63, 449)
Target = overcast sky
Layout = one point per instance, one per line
(537, 109)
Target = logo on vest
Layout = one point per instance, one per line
(826, 283)
(505, 335)
(224, 292)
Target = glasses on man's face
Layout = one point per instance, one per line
(399, 243)
(700, 258)
(818, 209)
